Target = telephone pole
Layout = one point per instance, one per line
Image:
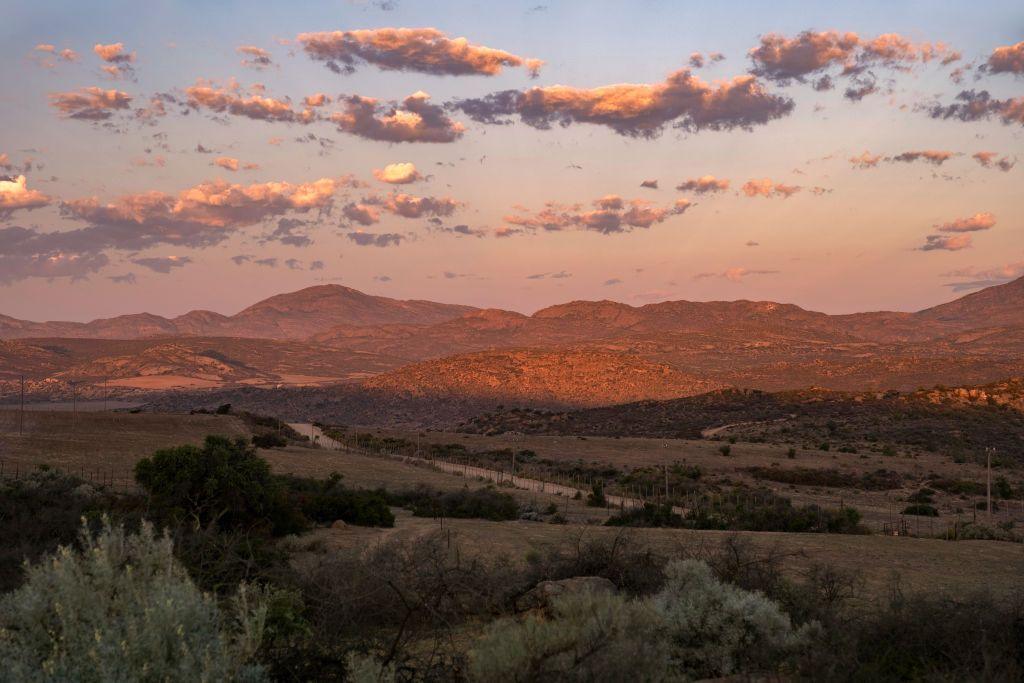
(988, 484)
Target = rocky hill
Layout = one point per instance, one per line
(295, 315)
(572, 377)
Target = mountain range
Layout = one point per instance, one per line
(581, 353)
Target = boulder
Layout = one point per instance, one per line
(541, 595)
(338, 524)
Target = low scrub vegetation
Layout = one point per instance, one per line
(122, 608)
(483, 503)
(878, 480)
(763, 512)
(194, 580)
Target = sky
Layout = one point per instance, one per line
(168, 156)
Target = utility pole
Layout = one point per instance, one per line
(21, 418)
(666, 482)
(988, 484)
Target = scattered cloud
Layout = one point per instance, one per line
(162, 264)
(229, 163)
(971, 105)
(255, 57)
(734, 274)
(990, 160)
(608, 215)
(288, 232)
(636, 110)
(119, 61)
(764, 187)
(978, 279)
(650, 184)
(811, 53)
(28, 253)
(414, 120)
(1007, 59)
(368, 239)
(229, 99)
(946, 243)
(233, 164)
(612, 282)
(316, 265)
(316, 100)
(932, 156)
(15, 195)
(704, 184)
(382, 278)
(269, 262)
(89, 104)
(126, 279)
(698, 60)
(47, 55)
(367, 211)
(397, 174)
(560, 275)
(423, 50)
(866, 160)
(979, 221)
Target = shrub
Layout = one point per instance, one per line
(405, 598)
(596, 498)
(921, 510)
(590, 637)
(38, 513)
(650, 515)
(482, 503)
(716, 629)
(725, 449)
(124, 609)
(224, 483)
(622, 559)
(269, 440)
(695, 627)
(327, 501)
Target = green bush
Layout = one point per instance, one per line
(921, 510)
(123, 609)
(224, 484)
(327, 501)
(596, 498)
(484, 503)
(650, 515)
(269, 440)
(38, 513)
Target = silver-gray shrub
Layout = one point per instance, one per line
(589, 637)
(717, 629)
(123, 609)
(695, 627)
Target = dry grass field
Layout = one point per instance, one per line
(876, 506)
(113, 442)
(104, 444)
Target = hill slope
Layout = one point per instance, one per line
(294, 315)
(571, 377)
